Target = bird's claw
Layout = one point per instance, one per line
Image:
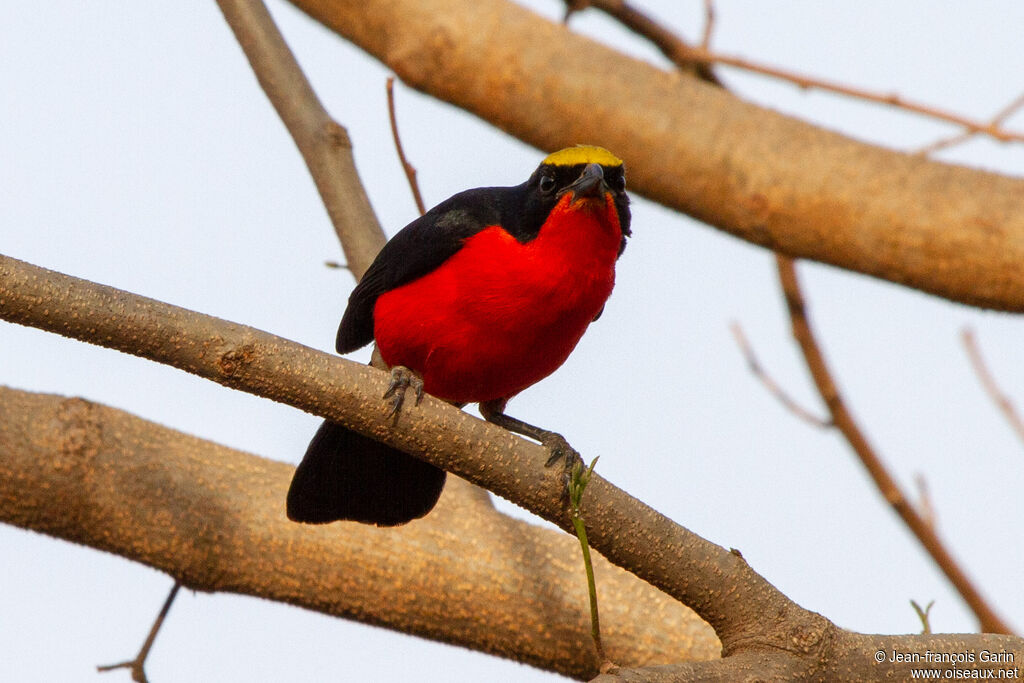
(560, 449)
(401, 379)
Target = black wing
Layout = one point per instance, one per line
(417, 249)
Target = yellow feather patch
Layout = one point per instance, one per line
(582, 154)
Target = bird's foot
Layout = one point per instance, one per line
(559, 449)
(401, 379)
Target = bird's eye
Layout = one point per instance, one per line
(547, 184)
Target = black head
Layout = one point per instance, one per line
(584, 170)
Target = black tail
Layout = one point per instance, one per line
(345, 475)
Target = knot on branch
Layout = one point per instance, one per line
(230, 362)
(809, 637)
(336, 136)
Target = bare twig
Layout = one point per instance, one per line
(709, 24)
(771, 385)
(324, 143)
(989, 383)
(989, 621)
(682, 54)
(138, 665)
(1001, 116)
(924, 500)
(667, 42)
(410, 170)
(898, 101)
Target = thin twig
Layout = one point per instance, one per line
(771, 385)
(410, 170)
(898, 101)
(1001, 116)
(138, 665)
(989, 383)
(924, 500)
(687, 56)
(989, 621)
(323, 142)
(667, 42)
(709, 24)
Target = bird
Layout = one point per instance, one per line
(479, 298)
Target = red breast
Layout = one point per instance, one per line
(499, 314)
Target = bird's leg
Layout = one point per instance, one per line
(558, 447)
(401, 379)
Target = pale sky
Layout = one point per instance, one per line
(140, 153)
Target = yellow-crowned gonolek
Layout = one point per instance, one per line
(482, 296)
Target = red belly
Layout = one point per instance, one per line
(499, 315)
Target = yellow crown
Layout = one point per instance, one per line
(582, 154)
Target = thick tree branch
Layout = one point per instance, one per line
(714, 582)
(767, 178)
(213, 517)
(688, 568)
